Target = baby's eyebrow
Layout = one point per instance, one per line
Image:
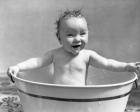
(84, 30)
(70, 31)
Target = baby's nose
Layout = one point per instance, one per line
(77, 39)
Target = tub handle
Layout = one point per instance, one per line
(11, 77)
(136, 84)
(136, 81)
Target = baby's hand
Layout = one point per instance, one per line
(12, 71)
(133, 67)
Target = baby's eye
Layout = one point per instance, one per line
(83, 33)
(69, 35)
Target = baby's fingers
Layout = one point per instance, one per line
(137, 72)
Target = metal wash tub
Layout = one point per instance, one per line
(109, 94)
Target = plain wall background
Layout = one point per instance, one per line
(27, 28)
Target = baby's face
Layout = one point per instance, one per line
(73, 34)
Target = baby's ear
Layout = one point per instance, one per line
(60, 41)
(58, 37)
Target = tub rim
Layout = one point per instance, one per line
(133, 79)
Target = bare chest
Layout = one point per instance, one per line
(70, 64)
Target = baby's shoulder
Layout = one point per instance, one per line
(51, 52)
(87, 54)
(55, 51)
(90, 54)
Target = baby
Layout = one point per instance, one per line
(71, 60)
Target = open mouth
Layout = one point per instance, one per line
(76, 46)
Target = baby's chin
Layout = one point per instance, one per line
(73, 52)
(76, 51)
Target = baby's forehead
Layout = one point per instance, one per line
(73, 18)
(73, 22)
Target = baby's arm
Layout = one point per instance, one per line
(32, 63)
(109, 64)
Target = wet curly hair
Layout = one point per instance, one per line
(66, 15)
